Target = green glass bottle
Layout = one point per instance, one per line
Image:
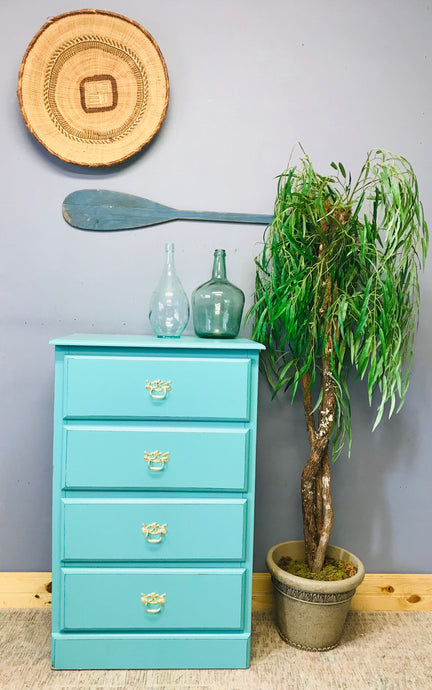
(217, 306)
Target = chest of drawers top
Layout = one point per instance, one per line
(150, 341)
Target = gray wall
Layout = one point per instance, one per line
(248, 79)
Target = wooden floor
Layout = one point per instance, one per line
(379, 651)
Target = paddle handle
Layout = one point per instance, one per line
(225, 217)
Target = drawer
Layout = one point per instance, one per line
(127, 387)
(151, 458)
(137, 529)
(184, 599)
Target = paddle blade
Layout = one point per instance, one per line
(98, 209)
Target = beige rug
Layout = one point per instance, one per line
(382, 651)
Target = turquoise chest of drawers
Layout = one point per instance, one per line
(153, 502)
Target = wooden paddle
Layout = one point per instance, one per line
(98, 209)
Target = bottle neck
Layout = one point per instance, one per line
(169, 257)
(219, 267)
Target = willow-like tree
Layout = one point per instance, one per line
(337, 290)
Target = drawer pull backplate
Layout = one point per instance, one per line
(153, 602)
(156, 460)
(154, 530)
(158, 389)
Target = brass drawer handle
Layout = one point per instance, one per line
(156, 460)
(154, 529)
(153, 602)
(158, 389)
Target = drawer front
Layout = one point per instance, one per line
(127, 387)
(151, 458)
(171, 529)
(183, 599)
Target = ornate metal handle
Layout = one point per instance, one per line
(153, 602)
(156, 460)
(158, 389)
(154, 529)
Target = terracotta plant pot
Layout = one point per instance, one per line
(311, 613)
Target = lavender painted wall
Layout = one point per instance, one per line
(248, 79)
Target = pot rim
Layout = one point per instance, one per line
(302, 583)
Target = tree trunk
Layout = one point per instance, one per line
(326, 510)
(316, 481)
(317, 504)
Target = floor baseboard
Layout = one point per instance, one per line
(378, 592)
(24, 590)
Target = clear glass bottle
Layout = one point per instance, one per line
(169, 305)
(217, 306)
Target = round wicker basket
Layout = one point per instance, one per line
(93, 87)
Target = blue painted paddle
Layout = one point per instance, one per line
(98, 209)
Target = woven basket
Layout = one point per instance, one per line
(93, 87)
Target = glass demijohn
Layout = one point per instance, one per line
(217, 305)
(169, 305)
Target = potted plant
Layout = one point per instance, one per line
(336, 293)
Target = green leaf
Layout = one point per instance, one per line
(379, 416)
(383, 342)
(364, 357)
(342, 310)
(371, 379)
(336, 347)
(318, 402)
(392, 405)
(295, 385)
